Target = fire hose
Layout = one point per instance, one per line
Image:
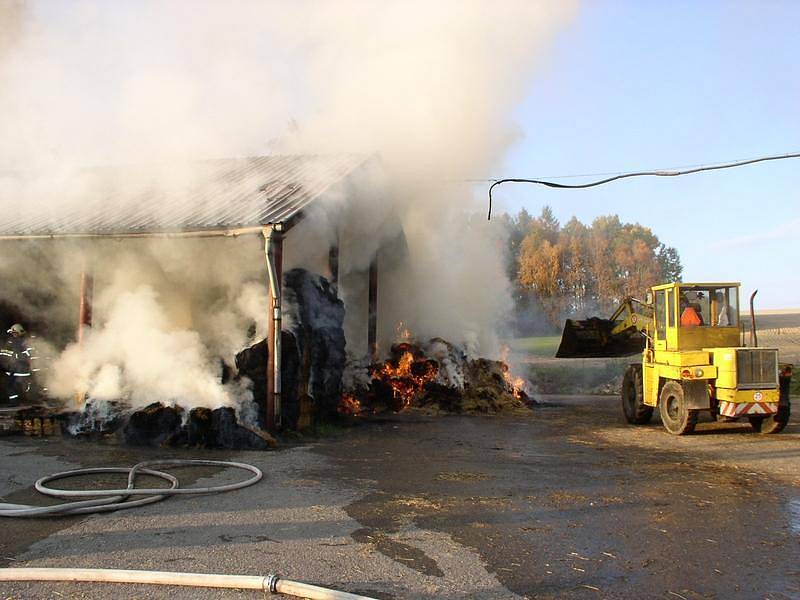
(117, 499)
(269, 583)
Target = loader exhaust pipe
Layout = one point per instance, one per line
(753, 332)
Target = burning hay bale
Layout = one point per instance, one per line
(399, 380)
(436, 377)
(489, 388)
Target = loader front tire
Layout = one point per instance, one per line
(636, 411)
(675, 414)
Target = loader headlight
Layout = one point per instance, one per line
(698, 372)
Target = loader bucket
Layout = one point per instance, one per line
(592, 338)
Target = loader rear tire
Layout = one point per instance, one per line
(773, 423)
(636, 411)
(675, 414)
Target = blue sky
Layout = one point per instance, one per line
(633, 85)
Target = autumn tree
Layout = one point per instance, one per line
(577, 270)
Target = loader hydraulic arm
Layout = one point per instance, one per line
(626, 317)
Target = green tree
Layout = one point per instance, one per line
(670, 263)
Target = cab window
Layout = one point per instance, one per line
(694, 308)
(661, 314)
(708, 307)
(725, 309)
(671, 308)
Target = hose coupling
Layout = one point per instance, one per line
(271, 583)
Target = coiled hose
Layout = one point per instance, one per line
(109, 500)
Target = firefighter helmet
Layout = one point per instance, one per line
(16, 328)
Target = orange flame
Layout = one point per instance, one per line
(349, 405)
(407, 378)
(515, 384)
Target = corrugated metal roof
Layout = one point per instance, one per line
(207, 195)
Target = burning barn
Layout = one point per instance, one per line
(180, 281)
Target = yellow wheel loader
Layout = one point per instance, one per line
(694, 358)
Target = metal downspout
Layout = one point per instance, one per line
(273, 236)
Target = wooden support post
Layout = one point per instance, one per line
(274, 253)
(333, 265)
(84, 320)
(372, 325)
(85, 306)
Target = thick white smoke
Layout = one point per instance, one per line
(138, 354)
(427, 87)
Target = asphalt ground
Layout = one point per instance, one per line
(566, 501)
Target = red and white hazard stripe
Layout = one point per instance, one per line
(740, 409)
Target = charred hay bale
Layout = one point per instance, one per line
(229, 434)
(153, 425)
(98, 417)
(327, 367)
(317, 317)
(425, 368)
(199, 430)
(252, 363)
(220, 428)
(381, 394)
(444, 397)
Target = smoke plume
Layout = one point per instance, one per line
(427, 88)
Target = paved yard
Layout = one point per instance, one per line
(564, 502)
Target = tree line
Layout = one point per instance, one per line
(576, 270)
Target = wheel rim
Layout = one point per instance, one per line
(673, 408)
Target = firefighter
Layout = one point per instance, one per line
(15, 358)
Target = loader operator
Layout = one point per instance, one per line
(15, 365)
(689, 316)
(723, 310)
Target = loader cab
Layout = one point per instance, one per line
(693, 316)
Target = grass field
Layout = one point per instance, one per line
(534, 357)
(536, 346)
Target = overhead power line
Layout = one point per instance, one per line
(655, 173)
